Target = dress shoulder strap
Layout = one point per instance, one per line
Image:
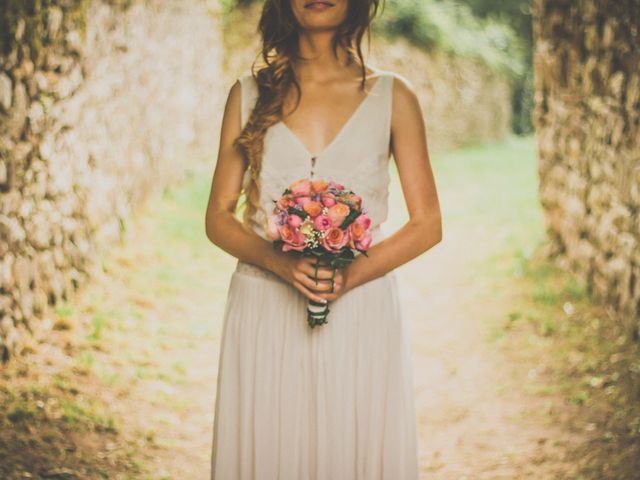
(248, 96)
(388, 77)
(387, 102)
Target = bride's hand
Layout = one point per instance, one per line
(340, 285)
(300, 272)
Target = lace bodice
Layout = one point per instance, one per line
(357, 157)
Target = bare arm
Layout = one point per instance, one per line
(423, 230)
(223, 228)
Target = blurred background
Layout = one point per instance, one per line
(525, 318)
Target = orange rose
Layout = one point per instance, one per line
(313, 208)
(301, 187)
(335, 239)
(357, 230)
(337, 214)
(319, 186)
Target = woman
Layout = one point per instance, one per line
(334, 402)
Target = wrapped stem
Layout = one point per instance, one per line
(317, 312)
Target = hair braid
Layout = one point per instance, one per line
(273, 81)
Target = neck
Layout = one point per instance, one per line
(318, 59)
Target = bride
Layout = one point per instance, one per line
(335, 402)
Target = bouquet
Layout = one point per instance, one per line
(322, 219)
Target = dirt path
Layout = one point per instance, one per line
(475, 421)
(154, 320)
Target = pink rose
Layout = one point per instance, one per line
(286, 247)
(365, 242)
(364, 220)
(303, 200)
(322, 222)
(338, 213)
(294, 221)
(335, 239)
(335, 185)
(301, 187)
(328, 199)
(293, 239)
(287, 234)
(273, 227)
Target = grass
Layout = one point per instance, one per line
(587, 358)
(578, 351)
(549, 320)
(488, 198)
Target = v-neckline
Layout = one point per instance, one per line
(344, 127)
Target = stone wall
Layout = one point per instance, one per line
(587, 116)
(102, 104)
(463, 101)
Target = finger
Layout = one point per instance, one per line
(321, 287)
(311, 261)
(323, 272)
(311, 284)
(330, 293)
(338, 278)
(325, 284)
(307, 293)
(330, 297)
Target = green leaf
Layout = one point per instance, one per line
(353, 214)
(294, 211)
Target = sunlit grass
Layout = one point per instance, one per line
(575, 351)
(487, 192)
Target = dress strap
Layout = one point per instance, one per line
(388, 78)
(248, 96)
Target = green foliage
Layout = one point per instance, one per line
(522, 101)
(35, 14)
(452, 27)
(517, 14)
(446, 25)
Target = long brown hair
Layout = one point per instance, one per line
(275, 76)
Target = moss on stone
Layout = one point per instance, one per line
(35, 14)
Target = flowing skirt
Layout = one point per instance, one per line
(334, 402)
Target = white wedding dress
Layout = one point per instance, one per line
(334, 402)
